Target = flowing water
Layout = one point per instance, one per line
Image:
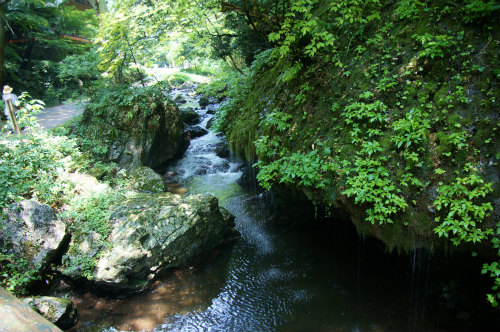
(319, 277)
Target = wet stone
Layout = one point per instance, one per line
(59, 311)
(189, 116)
(211, 109)
(210, 123)
(195, 131)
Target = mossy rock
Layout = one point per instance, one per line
(98, 171)
(179, 99)
(151, 233)
(146, 179)
(59, 311)
(204, 101)
(189, 116)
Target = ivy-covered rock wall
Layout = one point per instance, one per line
(386, 108)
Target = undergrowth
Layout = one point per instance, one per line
(389, 108)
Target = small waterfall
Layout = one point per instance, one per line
(419, 283)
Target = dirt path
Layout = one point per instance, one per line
(57, 115)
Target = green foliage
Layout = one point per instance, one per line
(122, 107)
(409, 9)
(478, 9)
(16, 273)
(463, 210)
(178, 79)
(27, 111)
(308, 25)
(28, 168)
(89, 220)
(218, 86)
(41, 30)
(435, 46)
(413, 129)
(370, 182)
(307, 170)
(77, 75)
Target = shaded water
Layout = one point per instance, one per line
(322, 277)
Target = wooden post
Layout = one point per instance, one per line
(12, 114)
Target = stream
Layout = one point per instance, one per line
(319, 277)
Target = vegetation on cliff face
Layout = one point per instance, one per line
(387, 108)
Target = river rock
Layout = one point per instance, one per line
(16, 315)
(152, 233)
(189, 116)
(211, 109)
(179, 99)
(204, 101)
(195, 131)
(35, 234)
(210, 123)
(222, 150)
(59, 311)
(84, 184)
(146, 179)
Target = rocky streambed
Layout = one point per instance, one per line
(148, 231)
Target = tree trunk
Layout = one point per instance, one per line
(235, 65)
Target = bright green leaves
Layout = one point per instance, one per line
(28, 169)
(309, 170)
(477, 9)
(365, 118)
(463, 209)
(434, 46)
(278, 120)
(318, 22)
(409, 9)
(369, 182)
(371, 112)
(411, 130)
(277, 164)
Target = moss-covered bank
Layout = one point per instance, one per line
(386, 108)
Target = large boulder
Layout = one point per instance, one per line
(211, 109)
(152, 233)
(189, 116)
(210, 123)
(160, 139)
(59, 311)
(146, 131)
(146, 179)
(204, 101)
(35, 234)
